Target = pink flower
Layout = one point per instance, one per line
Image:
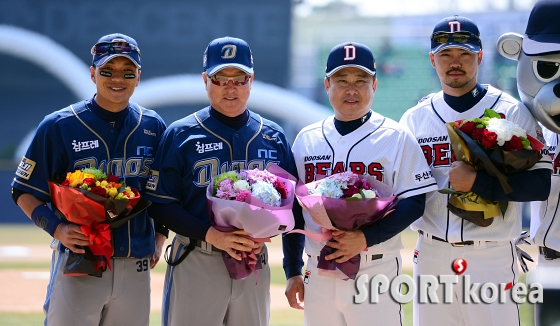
(243, 195)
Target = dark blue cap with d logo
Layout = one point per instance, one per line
(456, 32)
(227, 52)
(350, 54)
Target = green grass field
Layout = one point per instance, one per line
(11, 235)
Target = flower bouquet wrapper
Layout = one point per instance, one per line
(498, 162)
(343, 214)
(260, 220)
(96, 215)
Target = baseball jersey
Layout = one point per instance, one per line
(199, 147)
(380, 147)
(545, 217)
(75, 138)
(427, 122)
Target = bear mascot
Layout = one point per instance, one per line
(537, 53)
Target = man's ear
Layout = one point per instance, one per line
(375, 85)
(139, 72)
(432, 60)
(327, 84)
(205, 79)
(509, 45)
(480, 57)
(92, 74)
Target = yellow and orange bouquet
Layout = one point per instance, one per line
(97, 202)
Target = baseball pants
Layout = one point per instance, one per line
(487, 262)
(199, 291)
(330, 301)
(120, 297)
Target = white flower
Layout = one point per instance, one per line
(505, 129)
(241, 185)
(266, 192)
(329, 187)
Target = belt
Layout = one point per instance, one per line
(454, 244)
(549, 254)
(205, 246)
(368, 257)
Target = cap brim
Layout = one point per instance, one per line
(101, 62)
(212, 70)
(465, 46)
(330, 73)
(540, 44)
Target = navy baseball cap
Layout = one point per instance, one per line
(456, 32)
(543, 29)
(227, 52)
(115, 45)
(350, 54)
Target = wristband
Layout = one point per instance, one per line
(44, 218)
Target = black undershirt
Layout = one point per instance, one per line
(116, 119)
(235, 123)
(466, 101)
(346, 127)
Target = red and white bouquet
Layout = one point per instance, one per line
(258, 202)
(493, 145)
(97, 202)
(344, 201)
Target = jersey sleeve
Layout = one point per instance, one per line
(412, 174)
(44, 160)
(163, 186)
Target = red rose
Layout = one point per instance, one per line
(112, 178)
(65, 183)
(99, 191)
(490, 139)
(468, 127)
(514, 144)
(478, 134)
(281, 188)
(90, 182)
(352, 190)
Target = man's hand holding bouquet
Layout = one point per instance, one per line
(493, 145)
(253, 203)
(97, 202)
(343, 202)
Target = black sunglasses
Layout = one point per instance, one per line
(114, 48)
(457, 37)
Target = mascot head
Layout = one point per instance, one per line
(538, 67)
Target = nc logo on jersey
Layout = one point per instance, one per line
(25, 168)
(84, 145)
(153, 179)
(415, 258)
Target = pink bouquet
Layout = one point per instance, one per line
(344, 201)
(258, 202)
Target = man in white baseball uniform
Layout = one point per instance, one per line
(359, 140)
(456, 53)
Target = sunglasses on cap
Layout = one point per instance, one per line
(114, 48)
(223, 80)
(457, 37)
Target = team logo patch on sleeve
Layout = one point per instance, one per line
(422, 176)
(25, 168)
(306, 277)
(415, 258)
(153, 179)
